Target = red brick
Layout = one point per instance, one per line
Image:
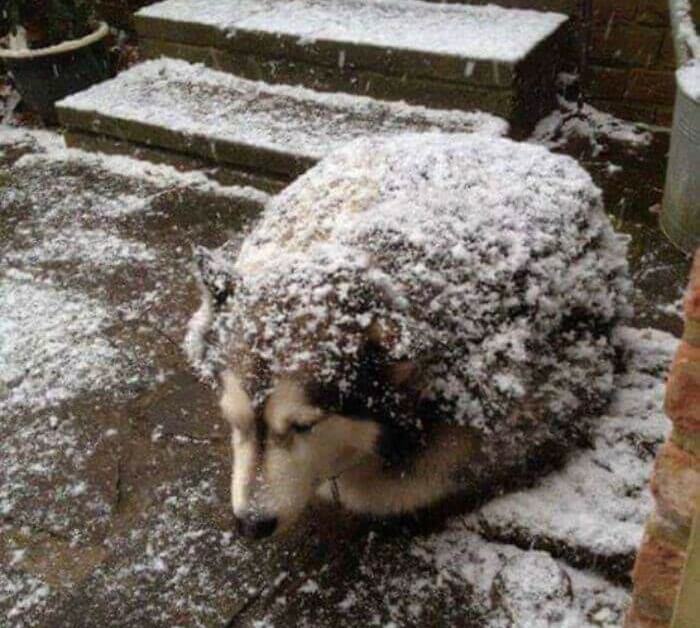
(691, 332)
(627, 110)
(688, 441)
(683, 389)
(691, 306)
(676, 484)
(692, 297)
(664, 116)
(616, 10)
(604, 82)
(656, 575)
(637, 619)
(652, 86)
(636, 46)
(670, 530)
(667, 54)
(653, 12)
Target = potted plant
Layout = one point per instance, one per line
(53, 48)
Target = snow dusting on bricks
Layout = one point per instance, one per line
(273, 128)
(572, 120)
(516, 587)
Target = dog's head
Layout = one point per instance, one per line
(293, 430)
(283, 449)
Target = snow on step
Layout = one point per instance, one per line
(449, 56)
(466, 32)
(190, 109)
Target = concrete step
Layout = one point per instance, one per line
(268, 133)
(499, 60)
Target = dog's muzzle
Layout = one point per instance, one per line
(255, 527)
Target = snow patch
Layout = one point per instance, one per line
(684, 29)
(162, 176)
(88, 246)
(585, 121)
(53, 344)
(22, 594)
(37, 139)
(516, 587)
(688, 78)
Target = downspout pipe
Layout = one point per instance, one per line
(685, 39)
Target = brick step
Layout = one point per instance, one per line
(570, 7)
(268, 133)
(499, 60)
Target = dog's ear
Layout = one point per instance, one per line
(402, 373)
(215, 274)
(399, 373)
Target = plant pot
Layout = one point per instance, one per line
(44, 76)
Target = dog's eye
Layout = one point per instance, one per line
(302, 428)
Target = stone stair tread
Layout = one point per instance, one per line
(194, 110)
(460, 31)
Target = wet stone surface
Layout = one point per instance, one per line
(114, 482)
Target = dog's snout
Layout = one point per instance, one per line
(256, 527)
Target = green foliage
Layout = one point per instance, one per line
(49, 22)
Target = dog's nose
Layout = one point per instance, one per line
(256, 527)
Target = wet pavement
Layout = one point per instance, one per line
(114, 504)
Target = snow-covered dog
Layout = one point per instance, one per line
(412, 318)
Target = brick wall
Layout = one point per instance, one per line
(118, 12)
(675, 483)
(631, 59)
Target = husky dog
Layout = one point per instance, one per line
(414, 317)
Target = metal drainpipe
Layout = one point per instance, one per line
(680, 217)
(679, 13)
(586, 17)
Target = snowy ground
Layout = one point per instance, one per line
(113, 484)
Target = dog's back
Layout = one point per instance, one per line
(433, 280)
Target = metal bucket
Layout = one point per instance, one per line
(680, 218)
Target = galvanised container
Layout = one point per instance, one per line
(680, 218)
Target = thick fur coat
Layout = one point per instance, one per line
(456, 293)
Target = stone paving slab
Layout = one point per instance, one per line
(95, 290)
(262, 128)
